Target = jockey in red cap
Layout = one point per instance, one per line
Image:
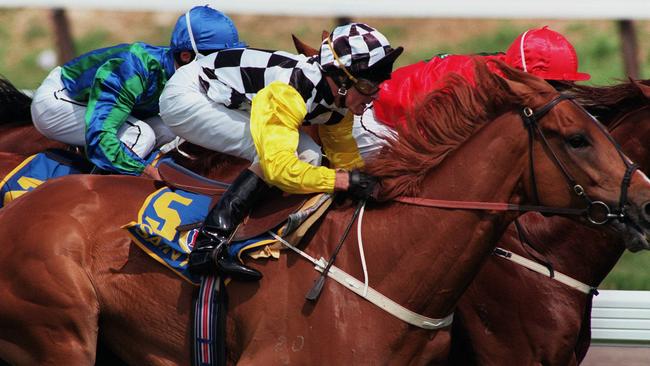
(545, 53)
(541, 52)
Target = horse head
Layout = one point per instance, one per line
(572, 146)
(568, 157)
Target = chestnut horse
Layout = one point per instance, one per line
(9, 161)
(70, 272)
(511, 315)
(17, 133)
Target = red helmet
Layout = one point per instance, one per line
(545, 53)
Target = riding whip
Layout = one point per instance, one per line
(315, 291)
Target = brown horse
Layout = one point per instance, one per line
(17, 133)
(8, 161)
(511, 315)
(70, 272)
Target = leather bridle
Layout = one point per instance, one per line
(530, 119)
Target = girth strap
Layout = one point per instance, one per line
(370, 294)
(536, 267)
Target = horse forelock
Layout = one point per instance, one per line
(439, 124)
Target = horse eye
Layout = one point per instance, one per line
(578, 141)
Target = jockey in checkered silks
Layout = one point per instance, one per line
(251, 103)
(107, 100)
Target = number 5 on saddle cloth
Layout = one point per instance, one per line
(166, 225)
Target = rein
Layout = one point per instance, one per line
(530, 119)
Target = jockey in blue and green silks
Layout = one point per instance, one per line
(107, 100)
(116, 82)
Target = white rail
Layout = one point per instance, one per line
(547, 9)
(621, 317)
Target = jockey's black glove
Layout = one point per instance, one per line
(362, 186)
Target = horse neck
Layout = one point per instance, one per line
(584, 253)
(443, 249)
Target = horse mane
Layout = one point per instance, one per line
(608, 102)
(439, 124)
(14, 104)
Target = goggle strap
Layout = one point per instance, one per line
(338, 61)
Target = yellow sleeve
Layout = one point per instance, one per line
(277, 111)
(339, 144)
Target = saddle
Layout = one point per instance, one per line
(273, 208)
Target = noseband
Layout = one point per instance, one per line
(530, 119)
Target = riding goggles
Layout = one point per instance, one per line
(366, 87)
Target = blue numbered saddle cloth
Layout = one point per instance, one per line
(155, 230)
(159, 230)
(38, 168)
(34, 171)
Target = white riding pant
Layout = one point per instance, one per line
(61, 118)
(370, 135)
(190, 114)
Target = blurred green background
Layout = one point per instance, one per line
(27, 45)
(25, 35)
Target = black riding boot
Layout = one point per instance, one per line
(213, 239)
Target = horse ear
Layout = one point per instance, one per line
(324, 35)
(644, 89)
(517, 80)
(505, 75)
(303, 48)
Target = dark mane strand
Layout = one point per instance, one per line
(14, 104)
(609, 102)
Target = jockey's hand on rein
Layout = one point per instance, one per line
(361, 185)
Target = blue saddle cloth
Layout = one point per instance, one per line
(33, 172)
(38, 168)
(155, 230)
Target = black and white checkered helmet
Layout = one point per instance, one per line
(361, 49)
